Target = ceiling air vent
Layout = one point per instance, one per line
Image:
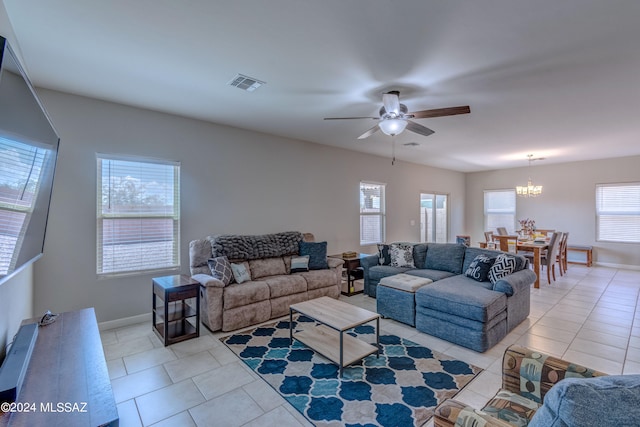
(246, 83)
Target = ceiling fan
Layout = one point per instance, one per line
(394, 117)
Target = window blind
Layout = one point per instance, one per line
(618, 212)
(500, 210)
(20, 169)
(138, 227)
(372, 211)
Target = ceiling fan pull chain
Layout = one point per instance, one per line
(393, 149)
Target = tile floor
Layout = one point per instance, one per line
(590, 316)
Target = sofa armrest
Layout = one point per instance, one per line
(448, 412)
(369, 261)
(527, 369)
(334, 262)
(520, 281)
(208, 281)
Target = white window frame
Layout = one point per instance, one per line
(490, 224)
(372, 212)
(424, 233)
(165, 254)
(618, 212)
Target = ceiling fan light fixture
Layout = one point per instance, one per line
(392, 126)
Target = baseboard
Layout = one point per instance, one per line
(622, 266)
(126, 321)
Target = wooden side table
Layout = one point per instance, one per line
(178, 317)
(354, 271)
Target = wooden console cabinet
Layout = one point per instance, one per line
(67, 382)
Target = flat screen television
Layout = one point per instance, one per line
(28, 153)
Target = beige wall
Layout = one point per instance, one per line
(233, 181)
(16, 294)
(567, 202)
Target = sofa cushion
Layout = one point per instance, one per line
(445, 257)
(602, 401)
(511, 407)
(377, 272)
(238, 295)
(241, 272)
(471, 253)
(284, 285)
(478, 270)
(461, 296)
(456, 321)
(317, 252)
(419, 254)
(299, 264)
(430, 274)
(384, 257)
(503, 266)
(317, 279)
(221, 269)
(401, 255)
(266, 267)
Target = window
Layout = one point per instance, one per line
(138, 215)
(433, 218)
(618, 212)
(371, 213)
(20, 168)
(500, 210)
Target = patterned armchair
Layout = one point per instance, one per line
(527, 376)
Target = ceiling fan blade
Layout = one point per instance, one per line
(391, 103)
(349, 118)
(422, 130)
(440, 112)
(370, 132)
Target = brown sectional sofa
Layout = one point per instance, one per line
(272, 287)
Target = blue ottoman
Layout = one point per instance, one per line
(396, 297)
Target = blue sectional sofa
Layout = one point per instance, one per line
(474, 313)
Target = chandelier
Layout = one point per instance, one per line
(529, 190)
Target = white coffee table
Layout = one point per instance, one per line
(327, 337)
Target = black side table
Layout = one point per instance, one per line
(178, 318)
(353, 270)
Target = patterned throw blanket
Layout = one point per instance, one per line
(239, 247)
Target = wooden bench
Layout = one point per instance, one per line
(588, 250)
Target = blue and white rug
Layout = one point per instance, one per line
(400, 388)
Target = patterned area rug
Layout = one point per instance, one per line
(401, 387)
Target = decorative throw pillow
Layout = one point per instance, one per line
(401, 255)
(479, 268)
(221, 269)
(299, 263)
(384, 258)
(503, 266)
(317, 252)
(241, 272)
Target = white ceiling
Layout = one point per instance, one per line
(557, 79)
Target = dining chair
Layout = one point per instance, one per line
(549, 257)
(506, 243)
(544, 231)
(562, 254)
(488, 236)
(502, 231)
